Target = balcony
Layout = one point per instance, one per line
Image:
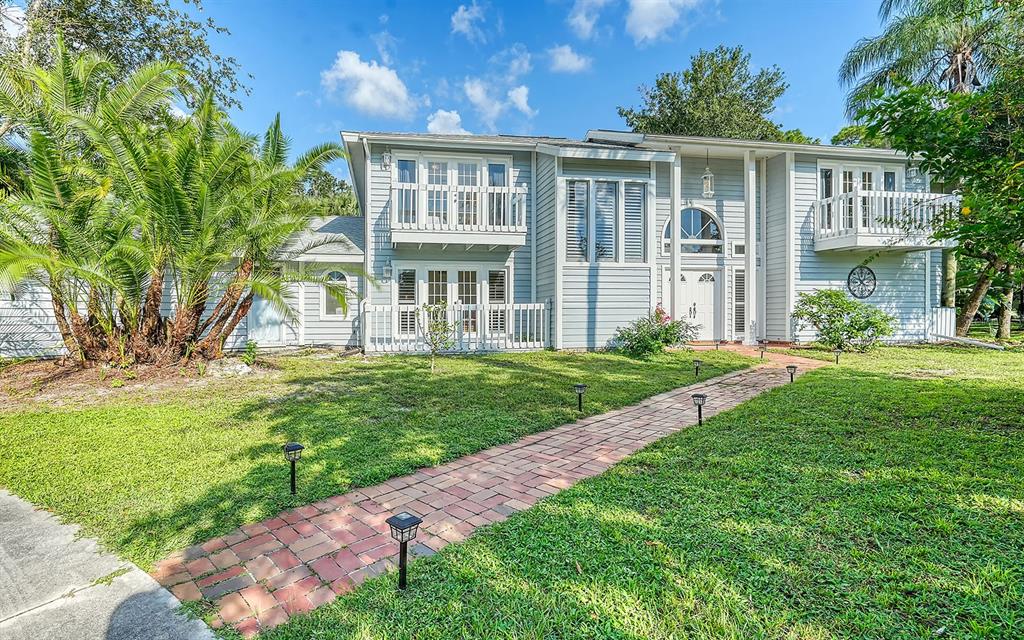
(898, 221)
(458, 214)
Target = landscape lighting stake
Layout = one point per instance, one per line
(698, 401)
(292, 452)
(580, 390)
(696, 368)
(837, 352)
(763, 346)
(403, 529)
(791, 368)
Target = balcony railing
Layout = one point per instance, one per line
(881, 219)
(458, 208)
(470, 327)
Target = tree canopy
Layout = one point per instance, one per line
(717, 96)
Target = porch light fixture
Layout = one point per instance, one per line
(292, 453)
(698, 401)
(708, 179)
(696, 368)
(837, 352)
(791, 368)
(580, 389)
(388, 270)
(404, 526)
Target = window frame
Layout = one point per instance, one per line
(349, 283)
(665, 245)
(619, 220)
(482, 269)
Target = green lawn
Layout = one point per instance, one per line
(150, 473)
(883, 498)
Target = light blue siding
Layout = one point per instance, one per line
(547, 184)
(604, 168)
(599, 299)
(775, 249)
(340, 330)
(27, 327)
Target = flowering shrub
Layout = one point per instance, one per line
(841, 321)
(651, 334)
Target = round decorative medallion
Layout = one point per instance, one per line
(861, 282)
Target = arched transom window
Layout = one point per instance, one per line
(699, 232)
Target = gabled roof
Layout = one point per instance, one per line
(338, 237)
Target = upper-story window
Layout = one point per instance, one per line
(699, 232)
(606, 220)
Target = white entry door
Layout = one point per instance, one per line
(265, 323)
(700, 299)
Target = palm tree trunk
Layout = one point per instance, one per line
(211, 344)
(973, 302)
(150, 324)
(66, 334)
(240, 312)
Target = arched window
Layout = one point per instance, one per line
(331, 306)
(699, 232)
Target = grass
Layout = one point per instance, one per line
(987, 331)
(153, 472)
(883, 498)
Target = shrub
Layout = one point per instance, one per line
(249, 356)
(651, 334)
(841, 321)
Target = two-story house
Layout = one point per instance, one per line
(535, 242)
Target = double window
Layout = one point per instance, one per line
(455, 285)
(606, 221)
(836, 181)
(441, 191)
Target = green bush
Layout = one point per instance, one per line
(651, 334)
(249, 355)
(841, 321)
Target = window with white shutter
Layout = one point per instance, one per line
(635, 222)
(576, 206)
(739, 302)
(606, 196)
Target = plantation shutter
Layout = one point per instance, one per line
(407, 298)
(634, 201)
(576, 206)
(739, 306)
(606, 195)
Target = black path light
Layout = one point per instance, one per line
(696, 368)
(791, 368)
(698, 401)
(837, 352)
(763, 345)
(580, 389)
(403, 529)
(292, 452)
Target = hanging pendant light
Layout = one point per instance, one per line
(708, 179)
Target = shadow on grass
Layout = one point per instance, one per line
(849, 504)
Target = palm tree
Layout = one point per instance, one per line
(945, 43)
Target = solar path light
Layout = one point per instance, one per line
(292, 453)
(580, 389)
(404, 526)
(696, 368)
(791, 368)
(698, 401)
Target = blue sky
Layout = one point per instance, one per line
(551, 67)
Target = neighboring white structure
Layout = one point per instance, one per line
(534, 242)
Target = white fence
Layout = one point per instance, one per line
(458, 208)
(881, 213)
(471, 327)
(942, 323)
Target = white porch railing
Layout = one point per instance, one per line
(458, 208)
(890, 214)
(475, 327)
(942, 323)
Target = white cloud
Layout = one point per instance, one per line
(648, 20)
(12, 20)
(386, 45)
(370, 87)
(520, 99)
(565, 60)
(442, 121)
(469, 22)
(583, 17)
(303, 93)
(516, 59)
(481, 97)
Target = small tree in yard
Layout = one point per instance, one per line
(438, 331)
(842, 322)
(646, 336)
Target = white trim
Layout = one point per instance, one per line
(596, 153)
(928, 296)
(761, 272)
(532, 226)
(698, 241)
(560, 235)
(368, 242)
(673, 218)
(650, 256)
(324, 316)
(790, 243)
(442, 141)
(301, 314)
(749, 249)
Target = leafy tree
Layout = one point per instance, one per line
(797, 136)
(130, 33)
(331, 192)
(717, 96)
(841, 321)
(975, 141)
(856, 135)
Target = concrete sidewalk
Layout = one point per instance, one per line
(54, 585)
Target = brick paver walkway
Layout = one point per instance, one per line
(263, 573)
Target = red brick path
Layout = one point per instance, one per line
(262, 573)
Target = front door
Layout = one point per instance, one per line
(700, 299)
(265, 323)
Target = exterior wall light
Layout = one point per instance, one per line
(580, 389)
(708, 179)
(696, 368)
(698, 401)
(292, 453)
(388, 270)
(404, 526)
(791, 368)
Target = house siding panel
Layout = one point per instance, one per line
(600, 299)
(547, 184)
(775, 249)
